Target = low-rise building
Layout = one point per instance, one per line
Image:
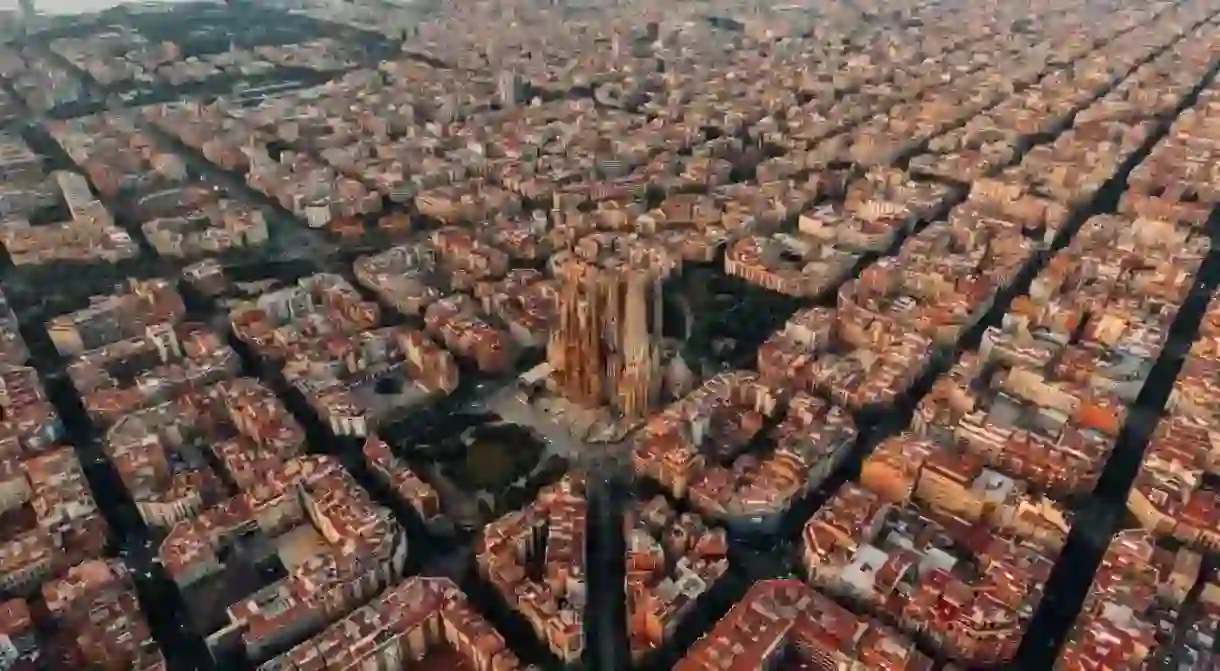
(848, 355)
(1145, 608)
(418, 623)
(109, 319)
(1043, 427)
(187, 454)
(684, 446)
(89, 235)
(875, 212)
(86, 618)
(1102, 308)
(98, 621)
(299, 549)
(906, 469)
(209, 228)
(280, 323)
(954, 581)
(56, 520)
(1173, 495)
(1178, 180)
(672, 560)
(356, 381)
(469, 298)
(787, 619)
(149, 368)
(394, 473)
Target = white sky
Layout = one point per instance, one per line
(70, 6)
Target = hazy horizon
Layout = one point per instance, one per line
(62, 7)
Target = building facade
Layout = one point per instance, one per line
(606, 350)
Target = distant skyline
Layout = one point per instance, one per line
(72, 6)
